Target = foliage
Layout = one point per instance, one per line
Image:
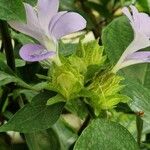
(81, 103)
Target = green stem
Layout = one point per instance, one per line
(85, 124)
(139, 126)
(7, 45)
(3, 98)
(6, 39)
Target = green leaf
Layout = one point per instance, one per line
(56, 99)
(67, 49)
(4, 67)
(43, 140)
(34, 116)
(144, 4)
(22, 38)
(12, 10)
(140, 98)
(20, 62)
(105, 135)
(67, 5)
(66, 134)
(6, 78)
(32, 2)
(77, 107)
(116, 37)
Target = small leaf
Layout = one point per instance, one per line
(56, 99)
(105, 135)
(34, 116)
(20, 62)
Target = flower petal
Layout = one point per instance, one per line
(144, 24)
(31, 16)
(136, 58)
(28, 30)
(68, 23)
(35, 52)
(142, 55)
(46, 10)
(55, 19)
(126, 11)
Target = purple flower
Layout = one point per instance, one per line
(140, 23)
(47, 26)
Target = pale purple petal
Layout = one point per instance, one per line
(142, 55)
(126, 11)
(136, 58)
(31, 16)
(68, 23)
(55, 19)
(144, 27)
(35, 52)
(134, 12)
(46, 10)
(24, 28)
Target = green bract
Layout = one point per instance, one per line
(76, 70)
(67, 80)
(92, 55)
(82, 75)
(105, 92)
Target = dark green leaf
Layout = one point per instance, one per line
(32, 2)
(105, 135)
(43, 140)
(140, 98)
(66, 134)
(116, 37)
(12, 10)
(34, 116)
(145, 4)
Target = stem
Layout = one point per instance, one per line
(6, 40)
(7, 45)
(3, 98)
(85, 124)
(139, 126)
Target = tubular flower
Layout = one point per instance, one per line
(47, 26)
(140, 23)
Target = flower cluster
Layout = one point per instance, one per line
(140, 23)
(47, 26)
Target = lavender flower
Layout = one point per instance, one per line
(140, 23)
(47, 26)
